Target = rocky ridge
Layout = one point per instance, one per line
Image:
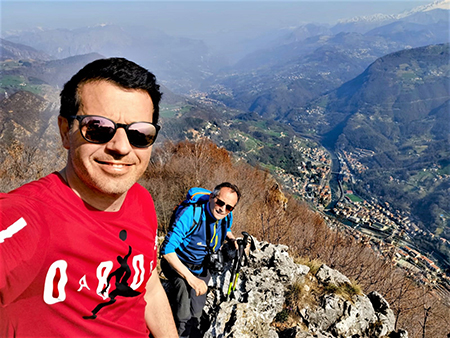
(261, 296)
(15, 51)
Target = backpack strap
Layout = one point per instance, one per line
(209, 237)
(195, 219)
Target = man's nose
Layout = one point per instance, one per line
(119, 143)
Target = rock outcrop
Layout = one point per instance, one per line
(260, 300)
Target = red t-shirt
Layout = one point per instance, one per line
(61, 261)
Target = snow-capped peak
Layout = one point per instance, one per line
(370, 18)
(440, 4)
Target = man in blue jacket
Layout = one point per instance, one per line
(199, 229)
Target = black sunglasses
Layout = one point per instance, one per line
(221, 203)
(99, 129)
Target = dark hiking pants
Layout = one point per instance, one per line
(186, 306)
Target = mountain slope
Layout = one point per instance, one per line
(15, 51)
(272, 82)
(395, 95)
(399, 109)
(414, 34)
(44, 78)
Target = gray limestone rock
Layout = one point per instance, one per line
(384, 313)
(260, 295)
(326, 275)
(357, 317)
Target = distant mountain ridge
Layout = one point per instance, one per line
(301, 66)
(387, 18)
(185, 64)
(165, 55)
(44, 78)
(10, 50)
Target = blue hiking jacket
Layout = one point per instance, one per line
(191, 244)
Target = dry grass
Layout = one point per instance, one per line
(345, 291)
(304, 293)
(313, 264)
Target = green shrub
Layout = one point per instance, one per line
(282, 316)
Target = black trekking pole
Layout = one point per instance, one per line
(238, 263)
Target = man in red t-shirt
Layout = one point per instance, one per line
(78, 247)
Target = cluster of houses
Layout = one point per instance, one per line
(388, 233)
(312, 182)
(420, 267)
(352, 158)
(373, 215)
(391, 225)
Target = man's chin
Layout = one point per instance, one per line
(219, 216)
(113, 188)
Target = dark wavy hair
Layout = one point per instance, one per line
(120, 71)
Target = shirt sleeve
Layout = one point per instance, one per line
(177, 233)
(23, 243)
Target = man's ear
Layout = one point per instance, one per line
(64, 131)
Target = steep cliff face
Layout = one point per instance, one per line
(264, 294)
(30, 146)
(27, 117)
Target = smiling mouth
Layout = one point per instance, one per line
(114, 165)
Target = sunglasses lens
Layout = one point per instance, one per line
(142, 134)
(97, 129)
(220, 203)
